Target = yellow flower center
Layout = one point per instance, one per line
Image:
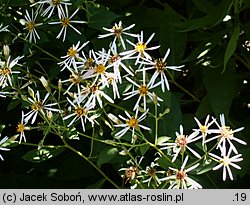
(181, 141)
(225, 161)
(180, 175)
(37, 106)
(132, 122)
(140, 47)
(226, 132)
(80, 111)
(65, 22)
(5, 71)
(72, 52)
(30, 25)
(100, 69)
(143, 89)
(160, 65)
(203, 129)
(20, 127)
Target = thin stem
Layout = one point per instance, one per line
(182, 88)
(156, 123)
(91, 163)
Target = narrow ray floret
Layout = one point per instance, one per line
(66, 22)
(226, 161)
(38, 105)
(160, 66)
(118, 31)
(131, 123)
(31, 25)
(140, 49)
(181, 143)
(3, 29)
(6, 71)
(80, 113)
(143, 90)
(180, 179)
(226, 135)
(2, 147)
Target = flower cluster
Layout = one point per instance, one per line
(120, 87)
(176, 178)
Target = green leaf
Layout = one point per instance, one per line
(15, 3)
(203, 5)
(220, 88)
(231, 46)
(144, 149)
(97, 185)
(13, 104)
(100, 16)
(37, 156)
(214, 17)
(106, 155)
(204, 108)
(164, 163)
(170, 122)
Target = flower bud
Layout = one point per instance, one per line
(6, 50)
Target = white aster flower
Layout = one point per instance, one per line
(143, 90)
(226, 134)
(226, 161)
(152, 174)
(38, 106)
(75, 79)
(2, 141)
(118, 31)
(66, 22)
(72, 56)
(116, 62)
(94, 93)
(132, 122)
(140, 49)
(3, 29)
(80, 113)
(180, 178)
(6, 71)
(99, 71)
(21, 127)
(52, 5)
(132, 173)
(160, 66)
(181, 143)
(204, 129)
(31, 26)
